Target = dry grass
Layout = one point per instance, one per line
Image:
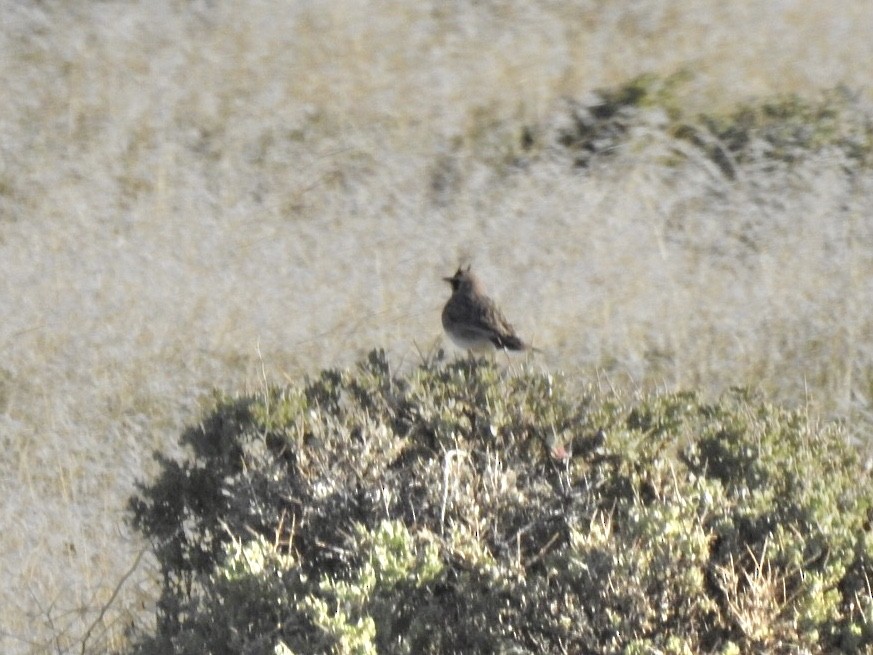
(182, 184)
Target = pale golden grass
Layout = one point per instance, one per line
(184, 184)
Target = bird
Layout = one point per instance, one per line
(472, 319)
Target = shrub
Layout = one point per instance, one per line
(462, 508)
(760, 136)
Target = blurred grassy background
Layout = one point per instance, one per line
(196, 194)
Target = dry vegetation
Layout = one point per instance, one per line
(460, 508)
(189, 187)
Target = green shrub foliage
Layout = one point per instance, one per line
(466, 507)
(759, 137)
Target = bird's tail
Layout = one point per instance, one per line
(512, 342)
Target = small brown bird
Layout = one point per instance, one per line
(471, 318)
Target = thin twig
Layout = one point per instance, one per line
(112, 598)
(543, 551)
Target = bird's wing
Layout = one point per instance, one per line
(482, 319)
(490, 319)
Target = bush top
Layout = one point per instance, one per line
(466, 508)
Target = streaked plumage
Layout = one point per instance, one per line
(471, 318)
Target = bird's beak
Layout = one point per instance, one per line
(448, 279)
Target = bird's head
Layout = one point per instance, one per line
(463, 280)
